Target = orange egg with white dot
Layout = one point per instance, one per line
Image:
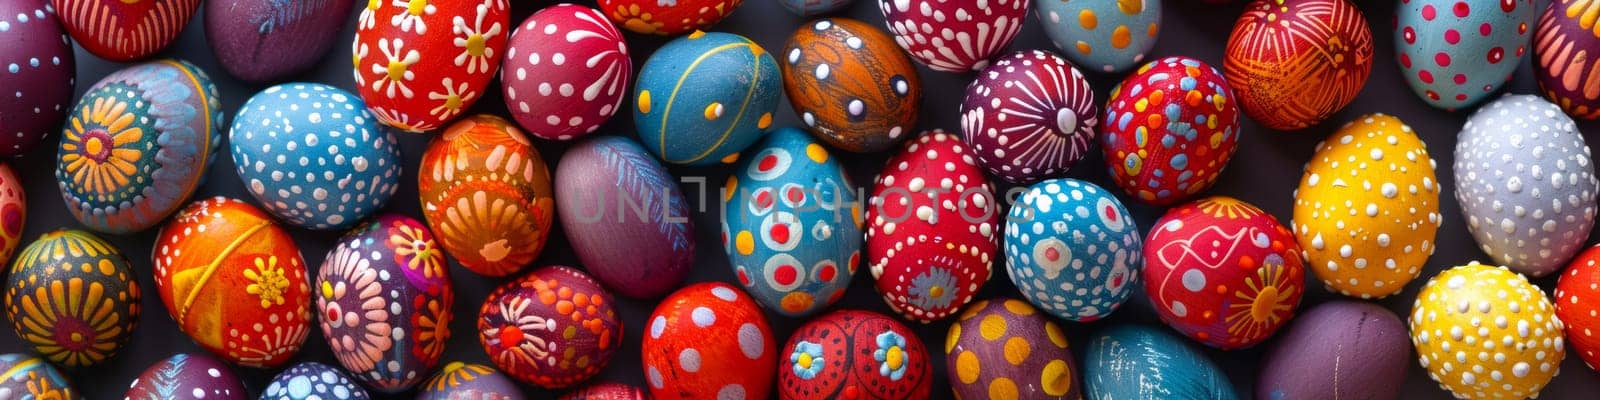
(1486, 332)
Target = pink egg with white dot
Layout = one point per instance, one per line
(566, 72)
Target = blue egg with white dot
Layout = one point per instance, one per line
(313, 155)
(312, 380)
(1073, 249)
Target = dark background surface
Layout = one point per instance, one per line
(1264, 172)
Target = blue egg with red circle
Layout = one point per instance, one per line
(1072, 249)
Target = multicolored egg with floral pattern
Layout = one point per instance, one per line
(850, 85)
(708, 340)
(1367, 208)
(195, 376)
(702, 98)
(850, 354)
(13, 212)
(1454, 53)
(383, 300)
(313, 381)
(554, 327)
(1147, 362)
(38, 66)
(811, 8)
(313, 156)
(457, 380)
(625, 217)
(1565, 60)
(486, 195)
(792, 224)
(932, 228)
(124, 31)
(27, 375)
(666, 18)
(607, 391)
(1471, 306)
(1223, 272)
(138, 145)
(954, 35)
(420, 64)
(234, 282)
(265, 40)
(1577, 305)
(72, 298)
(1104, 36)
(1294, 63)
(1342, 348)
(1072, 249)
(1030, 116)
(1006, 349)
(1170, 129)
(566, 72)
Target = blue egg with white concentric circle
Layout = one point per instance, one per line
(313, 380)
(1073, 249)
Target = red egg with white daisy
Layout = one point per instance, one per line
(421, 64)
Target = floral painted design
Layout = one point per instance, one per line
(352, 296)
(891, 355)
(1265, 302)
(413, 16)
(432, 320)
(933, 289)
(553, 327)
(454, 96)
(267, 281)
(416, 250)
(807, 359)
(72, 298)
(473, 41)
(395, 70)
(103, 146)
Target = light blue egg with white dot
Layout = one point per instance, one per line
(1072, 249)
(312, 380)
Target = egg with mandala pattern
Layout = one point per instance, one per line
(313, 156)
(383, 298)
(72, 298)
(625, 217)
(851, 354)
(234, 282)
(196, 376)
(458, 380)
(607, 391)
(1030, 116)
(811, 8)
(13, 212)
(22, 373)
(486, 195)
(138, 145)
(312, 381)
(850, 85)
(704, 97)
(1006, 349)
(566, 72)
(1146, 362)
(1565, 60)
(792, 224)
(124, 31)
(1294, 63)
(38, 66)
(1454, 53)
(1577, 306)
(1470, 306)
(1105, 36)
(954, 35)
(1072, 249)
(554, 327)
(665, 18)
(420, 64)
(265, 40)
(708, 340)
(1170, 129)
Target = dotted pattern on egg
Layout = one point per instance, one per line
(679, 363)
(553, 327)
(419, 65)
(72, 297)
(1565, 55)
(313, 381)
(1029, 116)
(125, 30)
(1578, 305)
(954, 36)
(1483, 331)
(458, 380)
(854, 354)
(1454, 53)
(1295, 63)
(1072, 249)
(21, 373)
(566, 72)
(704, 97)
(1105, 36)
(850, 85)
(1006, 350)
(197, 376)
(1171, 128)
(37, 74)
(667, 18)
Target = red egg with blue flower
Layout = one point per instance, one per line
(850, 354)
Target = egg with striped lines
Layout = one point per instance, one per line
(1566, 57)
(122, 31)
(704, 97)
(1030, 116)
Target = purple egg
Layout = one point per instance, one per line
(1341, 349)
(1029, 116)
(1565, 59)
(36, 74)
(265, 40)
(469, 381)
(1006, 348)
(607, 391)
(194, 376)
(625, 216)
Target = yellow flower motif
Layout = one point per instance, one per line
(268, 281)
(637, 20)
(95, 150)
(418, 252)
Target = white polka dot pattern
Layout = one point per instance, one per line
(1485, 332)
(566, 72)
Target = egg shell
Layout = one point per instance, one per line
(1463, 305)
(1006, 349)
(1029, 116)
(1102, 36)
(313, 156)
(267, 40)
(196, 375)
(1394, 194)
(625, 217)
(13, 211)
(383, 299)
(137, 145)
(854, 355)
(420, 65)
(850, 85)
(1145, 362)
(1454, 53)
(1563, 59)
(811, 8)
(954, 35)
(486, 195)
(458, 380)
(123, 31)
(1342, 348)
(38, 63)
(723, 88)
(553, 327)
(560, 100)
(72, 298)
(792, 224)
(234, 282)
(1577, 307)
(1295, 63)
(1170, 129)
(22, 373)
(1072, 249)
(607, 391)
(652, 17)
(312, 381)
(928, 253)
(708, 340)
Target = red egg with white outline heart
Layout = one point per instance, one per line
(708, 340)
(421, 64)
(667, 18)
(566, 72)
(854, 354)
(123, 30)
(954, 35)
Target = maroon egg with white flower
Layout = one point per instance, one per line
(554, 327)
(566, 72)
(1030, 116)
(954, 35)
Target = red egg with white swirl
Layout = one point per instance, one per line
(954, 35)
(1030, 116)
(566, 72)
(421, 64)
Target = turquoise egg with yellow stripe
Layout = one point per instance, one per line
(704, 97)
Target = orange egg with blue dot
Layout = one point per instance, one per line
(702, 98)
(72, 297)
(1004, 349)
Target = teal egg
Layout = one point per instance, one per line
(1105, 36)
(704, 97)
(1455, 53)
(1146, 362)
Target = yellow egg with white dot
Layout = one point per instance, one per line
(1486, 332)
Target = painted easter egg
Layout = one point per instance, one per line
(1072, 249)
(954, 35)
(853, 354)
(1366, 227)
(1454, 53)
(1525, 183)
(723, 88)
(737, 363)
(312, 381)
(458, 381)
(13, 212)
(138, 145)
(1005, 349)
(811, 8)
(486, 195)
(420, 64)
(1146, 362)
(234, 282)
(560, 100)
(1343, 349)
(1101, 36)
(1480, 303)
(124, 31)
(1295, 63)
(34, 378)
(1575, 304)
(792, 224)
(1564, 58)
(666, 18)
(932, 228)
(266, 40)
(383, 300)
(1029, 116)
(72, 298)
(625, 217)
(196, 376)
(553, 327)
(39, 68)
(1170, 128)
(313, 156)
(850, 85)
(607, 391)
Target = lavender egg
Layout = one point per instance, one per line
(1343, 349)
(196, 376)
(1146, 362)
(313, 381)
(37, 73)
(625, 216)
(266, 40)
(469, 381)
